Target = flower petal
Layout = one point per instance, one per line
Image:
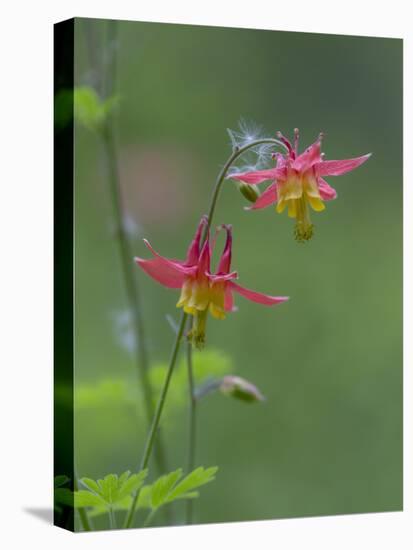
(264, 299)
(339, 167)
(327, 193)
(259, 176)
(169, 273)
(224, 265)
(229, 299)
(192, 255)
(268, 197)
(308, 158)
(222, 277)
(204, 262)
(162, 271)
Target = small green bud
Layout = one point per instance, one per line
(250, 192)
(238, 387)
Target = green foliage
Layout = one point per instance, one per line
(164, 490)
(118, 392)
(63, 496)
(210, 363)
(89, 109)
(61, 480)
(63, 107)
(168, 488)
(105, 393)
(110, 491)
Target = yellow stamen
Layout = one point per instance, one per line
(198, 296)
(297, 194)
(304, 229)
(197, 334)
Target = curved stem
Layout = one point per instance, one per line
(192, 424)
(233, 157)
(154, 427)
(155, 423)
(112, 519)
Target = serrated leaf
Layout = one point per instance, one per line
(198, 477)
(162, 487)
(166, 489)
(109, 487)
(121, 505)
(123, 477)
(131, 485)
(90, 484)
(61, 480)
(86, 498)
(145, 496)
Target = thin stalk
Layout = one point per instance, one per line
(158, 413)
(149, 518)
(237, 152)
(192, 423)
(192, 395)
(112, 519)
(152, 433)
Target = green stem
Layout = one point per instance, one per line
(149, 518)
(221, 176)
(152, 433)
(155, 423)
(192, 424)
(112, 519)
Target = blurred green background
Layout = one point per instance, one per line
(328, 439)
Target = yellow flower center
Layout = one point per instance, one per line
(198, 296)
(297, 193)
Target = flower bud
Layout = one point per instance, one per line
(240, 388)
(250, 192)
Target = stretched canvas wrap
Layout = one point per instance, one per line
(228, 274)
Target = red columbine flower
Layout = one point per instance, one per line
(298, 182)
(202, 291)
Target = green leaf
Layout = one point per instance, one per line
(123, 477)
(145, 497)
(90, 484)
(61, 480)
(121, 505)
(162, 487)
(198, 477)
(63, 496)
(166, 489)
(109, 491)
(131, 484)
(86, 498)
(109, 487)
(63, 108)
(90, 110)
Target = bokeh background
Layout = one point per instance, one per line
(328, 438)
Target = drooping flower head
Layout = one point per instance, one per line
(298, 182)
(201, 290)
